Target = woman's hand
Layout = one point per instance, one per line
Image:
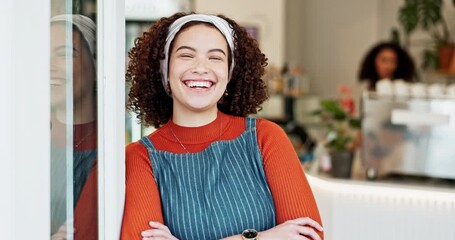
(158, 232)
(300, 228)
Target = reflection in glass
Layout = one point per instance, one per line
(74, 210)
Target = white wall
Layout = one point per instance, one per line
(388, 17)
(7, 166)
(25, 118)
(268, 15)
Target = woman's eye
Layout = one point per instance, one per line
(186, 56)
(216, 58)
(64, 53)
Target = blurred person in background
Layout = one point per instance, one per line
(386, 60)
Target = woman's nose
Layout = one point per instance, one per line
(200, 66)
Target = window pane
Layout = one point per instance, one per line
(74, 204)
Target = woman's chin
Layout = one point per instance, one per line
(201, 106)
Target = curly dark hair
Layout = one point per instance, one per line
(147, 96)
(405, 68)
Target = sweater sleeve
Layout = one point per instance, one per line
(290, 189)
(142, 199)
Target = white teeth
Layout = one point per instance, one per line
(196, 84)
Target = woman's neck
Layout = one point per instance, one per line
(194, 119)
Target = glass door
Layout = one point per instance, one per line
(74, 120)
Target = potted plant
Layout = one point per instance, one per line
(427, 15)
(337, 117)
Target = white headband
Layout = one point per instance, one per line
(85, 25)
(223, 26)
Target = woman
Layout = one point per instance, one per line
(386, 60)
(209, 172)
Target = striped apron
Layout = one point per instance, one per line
(215, 193)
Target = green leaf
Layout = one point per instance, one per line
(340, 143)
(408, 16)
(430, 59)
(339, 116)
(429, 12)
(331, 105)
(355, 123)
(338, 123)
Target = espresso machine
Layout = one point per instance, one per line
(408, 135)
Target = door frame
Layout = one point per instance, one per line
(111, 116)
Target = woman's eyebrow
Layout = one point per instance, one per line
(218, 50)
(194, 50)
(185, 47)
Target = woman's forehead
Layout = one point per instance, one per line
(203, 34)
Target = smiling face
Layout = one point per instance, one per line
(386, 63)
(198, 69)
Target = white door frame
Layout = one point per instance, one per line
(111, 116)
(25, 118)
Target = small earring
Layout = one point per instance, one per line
(168, 89)
(223, 98)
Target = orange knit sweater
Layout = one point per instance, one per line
(291, 193)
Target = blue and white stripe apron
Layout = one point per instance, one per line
(215, 193)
